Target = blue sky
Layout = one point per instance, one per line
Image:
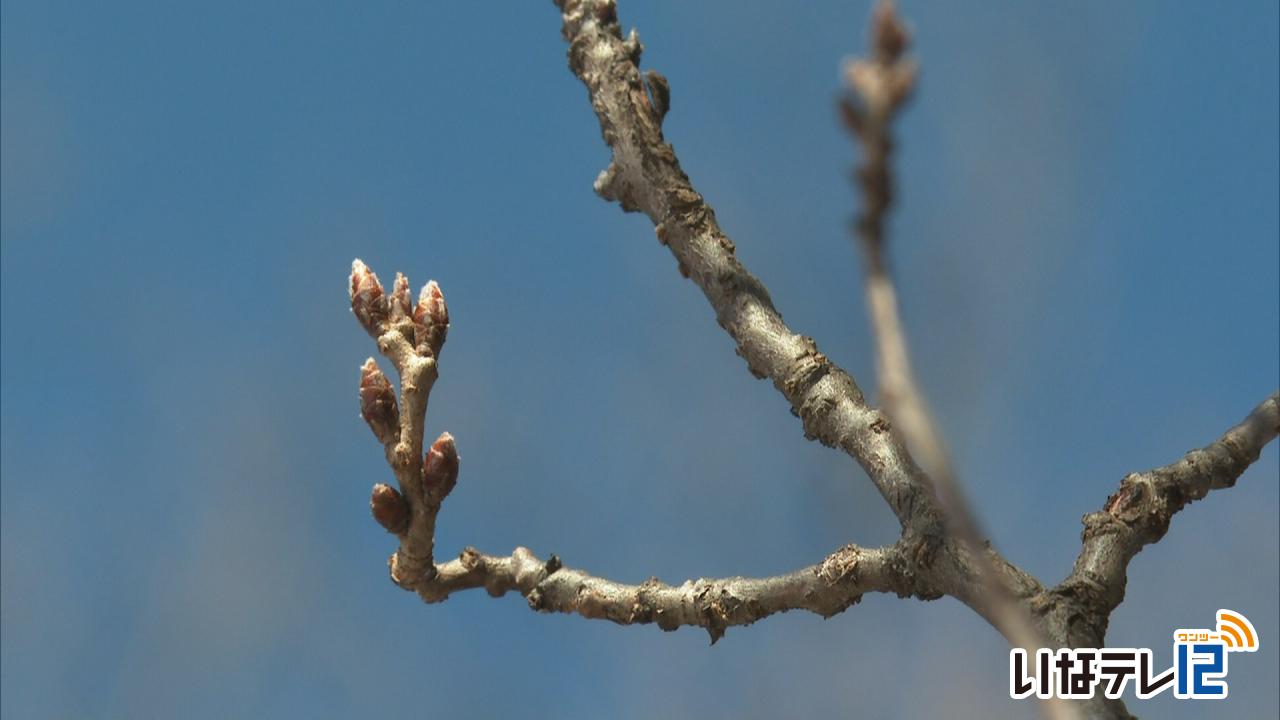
(1087, 252)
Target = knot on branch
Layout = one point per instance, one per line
(612, 186)
(804, 372)
(841, 565)
(1139, 505)
(718, 608)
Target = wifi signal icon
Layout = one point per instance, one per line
(1236, 632)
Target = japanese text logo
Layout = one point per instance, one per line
(1199, 669)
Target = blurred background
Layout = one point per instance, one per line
(1087, 250)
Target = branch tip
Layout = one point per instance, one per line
(368, 301)
(430, 320)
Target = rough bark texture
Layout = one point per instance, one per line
(713, 604)
(1139, 513)
(935, 555)
(645, 176)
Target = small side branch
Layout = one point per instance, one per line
(1140, 511)
(826, 589)
(411, 338)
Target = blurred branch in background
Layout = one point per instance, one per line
(880, 86)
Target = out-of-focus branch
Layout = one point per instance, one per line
(880, 85)
(1140, 511)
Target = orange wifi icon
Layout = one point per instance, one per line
(1236, 632)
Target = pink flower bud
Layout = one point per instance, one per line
(400, 304)
(367, 299)
(440, 468)
(378, 403)
(430, 319)
(389, 508)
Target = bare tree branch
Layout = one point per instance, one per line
(1077, 612)
(1139, 513)
(412, 338)
(644, 175)
(826, 589)
(940, 551)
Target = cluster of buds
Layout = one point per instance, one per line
(377, 313)
(424, 325)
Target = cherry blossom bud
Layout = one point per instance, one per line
(430, 319)
(368, 301)
(378, 403)
(389, 508)
(400, 305)
(440, 468)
